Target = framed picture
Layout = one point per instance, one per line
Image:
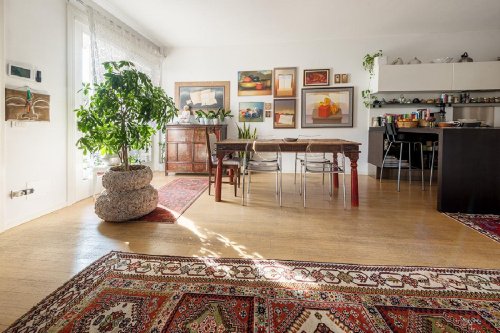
(17, 106)
(255, 83)
(268, 114)
(268, 106)
(284, 113)
(345, 78)
(285, 82)
(205, 96)
(251, 112)
(327, 107)
(316, 77)
(337, 78)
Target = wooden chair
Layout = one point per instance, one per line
(231, 166)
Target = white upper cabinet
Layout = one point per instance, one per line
(476, 75)
(422, 77)
(437, 77)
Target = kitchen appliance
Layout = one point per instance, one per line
(474, 114)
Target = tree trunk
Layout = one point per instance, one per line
(125, 158)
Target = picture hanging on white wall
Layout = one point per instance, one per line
(285, 82)
(284, 113)
(255, 83)
(251, 112)
(327, 107)
(22, 104)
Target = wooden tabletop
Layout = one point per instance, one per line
(295, 146)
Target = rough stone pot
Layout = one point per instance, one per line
(128, 194)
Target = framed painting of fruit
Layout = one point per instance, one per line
(327, 107)
(255, 83)
(251, 112)
(284, 113)
(316, 77)
(206, 96)
(285, 82)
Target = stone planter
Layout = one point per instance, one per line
(128, 194)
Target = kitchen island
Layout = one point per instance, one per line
(468, 172)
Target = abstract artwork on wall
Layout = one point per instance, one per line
(316, 77)
(25, 105)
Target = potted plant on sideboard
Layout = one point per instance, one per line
(123, 113)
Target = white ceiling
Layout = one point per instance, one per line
(186, 23)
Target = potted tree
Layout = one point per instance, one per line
(123, 113)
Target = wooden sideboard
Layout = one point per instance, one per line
(186, 147)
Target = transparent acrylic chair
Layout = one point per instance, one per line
(262, 157)
(310, 165)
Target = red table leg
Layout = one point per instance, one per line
(218, 178)
(354, 183)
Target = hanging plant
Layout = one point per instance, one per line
(368, 63)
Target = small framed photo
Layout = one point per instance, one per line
(345, 78)
(284, 113)
(268, 106)
(337, 78)
(268, 114)
(316, 77)
(251, 112)
(285, 82)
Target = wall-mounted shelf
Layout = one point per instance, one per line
(410, 105)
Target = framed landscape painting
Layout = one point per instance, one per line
(206, 96)
(284, 113)
(285, 82)
(327, 107)
(255, 83)
(251, 112)
(316, 77)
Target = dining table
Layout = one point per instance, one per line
(349, 148)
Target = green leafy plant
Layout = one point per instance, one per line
(368, 63)
(223, 114)
(212, 114)
(246, 133)
(123, 113)
(201, 114)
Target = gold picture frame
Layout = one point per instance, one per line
(285, 82)
(202, 95)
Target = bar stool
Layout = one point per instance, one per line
(435, 147)
(392, 134)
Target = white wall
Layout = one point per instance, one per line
(35, 154)
(341, 56)
(2, 117)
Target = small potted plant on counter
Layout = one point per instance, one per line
(223, 114)
(202, 117)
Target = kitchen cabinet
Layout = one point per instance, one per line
(186, 147)
(476, 75)
(444, 77)
(421, 77)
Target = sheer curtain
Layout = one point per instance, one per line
(112, 40)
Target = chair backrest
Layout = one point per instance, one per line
(390, 131)
(315, 150)
(211, 140)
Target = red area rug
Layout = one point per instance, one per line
(127, 292)
(175, 198)
(487, 224)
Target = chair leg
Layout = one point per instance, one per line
(399, 164)
(209, 181)
(383, 161)
(243, 188)
(301, 171)
(432, 160)
(330, 187)
(295, 172)
(281, 188)
(304, 188)
(343, 188)
(409, 160)
(235, 182)
(422, 164)
(277, 189)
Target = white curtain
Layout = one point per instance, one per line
(112, 40)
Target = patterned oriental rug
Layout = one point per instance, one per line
(127, 292)
(487, 224)
(175, 198)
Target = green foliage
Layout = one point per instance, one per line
(246, 133)
(201, 114)
(124, 112)
(223, 114)
(368, 98)
(369, 61)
